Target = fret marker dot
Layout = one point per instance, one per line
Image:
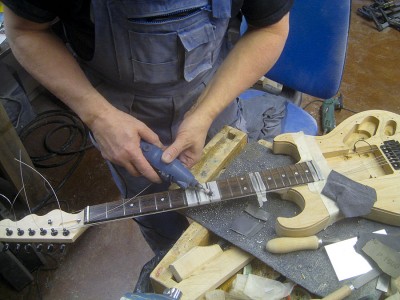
(295, 173)
(283, 175)
(131, 205)
(306, 171)
(269, 178)
(162, 199)
(245, 188)
(241, 178)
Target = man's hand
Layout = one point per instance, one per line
(118, 136)
(189, 143)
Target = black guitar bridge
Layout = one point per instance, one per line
(391, 149)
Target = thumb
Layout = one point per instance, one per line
(172, 152)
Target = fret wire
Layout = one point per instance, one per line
(300, 170)
(294, 171)
(282, 175)
(106, 211)
(265, 180)
(229, 186)
(272, 177)
(248, 185)
(288, 174)
(123, 205)
(306, 172)
(140, 206)
(155, 201)
(169, 199)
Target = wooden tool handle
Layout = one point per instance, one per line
(339, 294)
(290, 244)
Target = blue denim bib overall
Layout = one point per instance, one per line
(152, 60)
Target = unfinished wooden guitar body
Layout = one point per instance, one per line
(354, 149)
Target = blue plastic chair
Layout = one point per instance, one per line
(313, 59)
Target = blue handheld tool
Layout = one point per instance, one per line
(173, 172)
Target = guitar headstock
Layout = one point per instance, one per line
(55, 227)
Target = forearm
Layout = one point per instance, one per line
(254, 54)
(47, 59)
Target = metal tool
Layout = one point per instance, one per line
(346, 290)
(291, 244)
(328, 113)
(173, 172)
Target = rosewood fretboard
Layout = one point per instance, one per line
(256, 183)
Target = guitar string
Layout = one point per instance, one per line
(51, 187)
(80, 225)
(128, 200)
(24, 189)
(12, 204)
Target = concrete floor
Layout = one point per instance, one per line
(105, 262)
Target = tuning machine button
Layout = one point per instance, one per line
(31, 232)
(9, 232)
(50, 248)
(54, 232)
(20, 231)
(28, 248)
(39, 247)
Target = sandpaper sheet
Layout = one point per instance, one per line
(310, 269)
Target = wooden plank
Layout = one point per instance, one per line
(187, 264)
(211, 275)
(217, 154)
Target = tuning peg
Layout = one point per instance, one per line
(62, 248)
(31, 232)
(6, 246)
(9, 232)
(39, 247)
(17, 247)
(54, 232)
(50, 248)
(20, 231)
(43, 231)
(28, 248)
(65, 232)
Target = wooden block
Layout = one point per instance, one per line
(161, 277)
(184, 266)
(213, 274)
(217, 154)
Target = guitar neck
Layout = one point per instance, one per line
(256, 183)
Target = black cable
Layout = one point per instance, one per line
(314, 101)
(72, 149)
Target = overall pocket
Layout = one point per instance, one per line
(155, 57)
(169, 50)
(199, 44)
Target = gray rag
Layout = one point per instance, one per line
(353, 199)
(262, 116)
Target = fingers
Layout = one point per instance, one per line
(182, 150)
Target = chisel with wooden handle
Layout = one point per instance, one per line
(346, 290)
(291, 244)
